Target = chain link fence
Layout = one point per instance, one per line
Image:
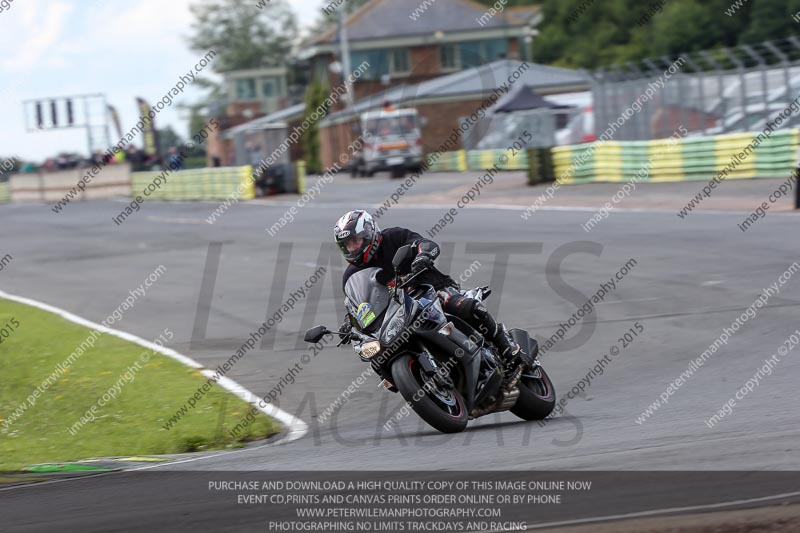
(717, 91)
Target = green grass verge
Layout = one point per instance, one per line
(35, 342)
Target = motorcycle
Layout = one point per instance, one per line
(443, 367)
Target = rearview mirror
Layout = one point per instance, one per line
(315, 334)
(402, 259)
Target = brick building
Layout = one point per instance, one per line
(444, 101)
(405, 44)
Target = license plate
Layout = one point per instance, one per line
(392, 161)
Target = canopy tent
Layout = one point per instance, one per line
(524, 98)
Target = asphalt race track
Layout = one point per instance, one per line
(691, 278)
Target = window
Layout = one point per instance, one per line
(246, 89)
(447, 57)
(378, 61)
(382, 62)
(268, 88)
(400, 61)
(472, 53)
(495, 49)
(402, 125)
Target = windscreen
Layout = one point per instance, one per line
(366, 298)
(389, 126)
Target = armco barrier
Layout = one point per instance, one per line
(216, 183)
(694, 158)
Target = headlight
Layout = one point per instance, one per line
(370, 349)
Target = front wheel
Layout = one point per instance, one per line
(537, 396)
(442, 409)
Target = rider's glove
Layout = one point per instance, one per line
(421, 262)
(344, 330)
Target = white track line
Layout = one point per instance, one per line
(655, 512)
(508, 207)
(295, 428)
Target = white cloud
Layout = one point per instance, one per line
(36, 34)
(120, 48)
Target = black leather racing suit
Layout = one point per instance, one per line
(468, 309)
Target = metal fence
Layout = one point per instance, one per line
(500, 130)
(716, 91)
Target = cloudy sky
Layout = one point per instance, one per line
(120, 48)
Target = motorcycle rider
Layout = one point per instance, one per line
(364, 245)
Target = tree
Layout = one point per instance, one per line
(768, 19)
(684, 26)
(592, 34)
(167, 138)
(315, 97)
(242, 34)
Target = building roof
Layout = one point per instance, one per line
(382, 19)
(274, 120)
(477, 82)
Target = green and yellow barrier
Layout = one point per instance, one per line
(216, 183)
(540, 166)
(687, 159)
(462, 160)
(447, 161)
(504, 159)
(5, 192)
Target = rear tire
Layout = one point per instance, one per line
(537, 397)
(444, 412)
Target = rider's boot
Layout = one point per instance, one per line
(509, 350)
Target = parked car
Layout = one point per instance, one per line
(580, 129)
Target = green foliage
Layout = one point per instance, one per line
(315, 97)
(167, 138)
(243, 35)
(595, 33)
(769, 18)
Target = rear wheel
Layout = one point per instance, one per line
(537, 396)
(443, 409)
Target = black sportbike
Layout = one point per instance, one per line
(443, 367)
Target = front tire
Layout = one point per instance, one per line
(440, 409)
(537, 396)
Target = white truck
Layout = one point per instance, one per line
(391, 141)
